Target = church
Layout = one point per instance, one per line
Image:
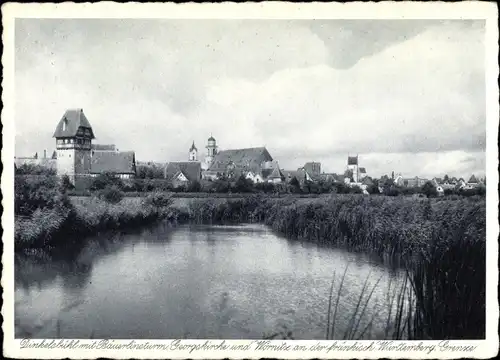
(255, 164)
(80, 159)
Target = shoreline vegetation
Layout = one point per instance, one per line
(441, 241)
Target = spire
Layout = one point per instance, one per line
(193, 147)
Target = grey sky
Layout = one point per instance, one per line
(407, 95)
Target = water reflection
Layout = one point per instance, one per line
(195, 281)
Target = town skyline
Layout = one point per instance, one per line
(368, 94)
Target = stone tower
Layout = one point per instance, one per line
(211, 151)
(352, 165)
(193, 153)
(74, 137)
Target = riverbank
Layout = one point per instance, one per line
(62, 226)
(441, 241)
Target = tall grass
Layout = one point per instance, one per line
(48, 227)
(441, 243)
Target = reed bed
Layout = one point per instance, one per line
(47, 228)
(441, 244)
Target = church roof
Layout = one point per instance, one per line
(121, 162)
(74, 118)
(190, 169)
(211, 138)
(248, 159)
(193, 147)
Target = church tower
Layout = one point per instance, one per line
(211, 151)
(74, 137)
(193, 153)
(352, 165)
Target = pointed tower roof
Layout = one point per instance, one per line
(211, 138)
(71, 121)
(473, 180)
(193, 147)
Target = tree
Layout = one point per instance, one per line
(372, 189)
(194, 186)
(295, 185)
(66, 183)
(356, 190)
(243, 185)
(429, 189)
(104, 180)
(111, 194)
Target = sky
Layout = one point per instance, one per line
(406, 95)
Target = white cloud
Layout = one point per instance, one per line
(156, 86)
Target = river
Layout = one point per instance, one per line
(203, 281)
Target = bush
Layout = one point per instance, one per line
(111, 194)
(265, 187)
(159, 199)
(37, 192)
(194, 186)
(243, 185)
(31, 169)
(106, 180)
(429, 189)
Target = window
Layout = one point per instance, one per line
(65, 123)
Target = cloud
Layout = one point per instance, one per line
(305, 89)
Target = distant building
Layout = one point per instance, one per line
(183, 173)
(104, 147)
(255, 164)
(362, 173)
(313, 169)
(301, 174)
(81, 160)
(410, 182)
(193, 153)
(35, 160)
(211, 152)
(119, 163)
(353, 166)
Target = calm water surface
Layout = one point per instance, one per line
(197, 282)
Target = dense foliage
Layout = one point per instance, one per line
(32, 192)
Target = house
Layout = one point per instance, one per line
(410, 182)
(313, 169)
(362, 173)
(270, 175)
(35, 160)
(119, 163)
(183, 173)
(300, 174)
